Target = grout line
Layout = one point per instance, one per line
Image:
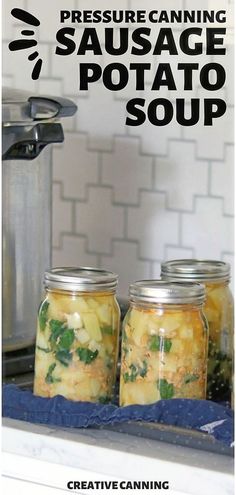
(100, 168)
(180, 229)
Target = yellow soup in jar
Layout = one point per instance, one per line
(218, 309)
(77, 346)
(164, 355)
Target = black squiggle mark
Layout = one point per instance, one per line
(21, 44)
(37, 69)
(32, 56)
(26, 17)
(27, 32)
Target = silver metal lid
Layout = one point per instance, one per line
(163, 292)
(196, 270)
(81, 279)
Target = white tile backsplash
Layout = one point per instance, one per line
(73, 253)
(99, 219)
(49, 16)
(62, 215)
(75, 166)
(124, 261)
(175, 253)
(222, 174)
(155, 140)
(211, 139)
(151, 5)
(152, 225)
(126, 198)
(95, 117)
(8, 22)
(208, 231)
(127, 170)
(12, 65)
(47, 86)
(181, 175)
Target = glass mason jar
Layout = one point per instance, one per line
(164, 343)
(218, 308)
(77, 335)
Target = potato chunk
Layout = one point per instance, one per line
(162, 354)
(139, 393)
(91, 324)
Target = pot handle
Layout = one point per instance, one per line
(50, 107)
(26, 142)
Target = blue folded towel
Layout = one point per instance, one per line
(202, 415)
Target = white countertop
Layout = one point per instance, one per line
(51, 457)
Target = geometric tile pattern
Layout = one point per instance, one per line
(209, 238)
(61, 214)
(75, 166)
(127, 198)
(99, 219)
(127, 170)
(132, 269)
(153, 225)
(181, 175)
(222, 174)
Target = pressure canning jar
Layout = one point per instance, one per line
(218, 308)
(164, 343)
(77, 335)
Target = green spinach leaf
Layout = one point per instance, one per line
(190, 378)
(67, 339)
(158, 343)
(86, 355)
(43, 349)
(64, 356)
(109, 362)
(49, 378)
(127, 378)
(154, 344)
(166, 389)
(125, 350)
(104, 399)
(166, 345)
(43, 310)
(135, 371)
(131, 377)
(107, 330)
(57, 329)
(143, 370)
